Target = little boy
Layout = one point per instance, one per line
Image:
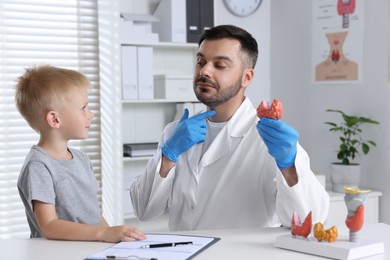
(57, 184)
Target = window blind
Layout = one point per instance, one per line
(61, 33)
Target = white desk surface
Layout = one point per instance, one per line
(234, 244)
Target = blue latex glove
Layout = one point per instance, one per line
(188, 132)
(281, 140)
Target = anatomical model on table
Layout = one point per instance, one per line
(354, 199)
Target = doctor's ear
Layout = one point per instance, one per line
(52, 118)
(247, 77)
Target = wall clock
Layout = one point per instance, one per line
(242, 8)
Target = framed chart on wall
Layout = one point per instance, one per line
(337, 41)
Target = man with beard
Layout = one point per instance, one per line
(225, 168)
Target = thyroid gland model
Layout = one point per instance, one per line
(354, 199)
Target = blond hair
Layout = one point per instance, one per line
(45, 88)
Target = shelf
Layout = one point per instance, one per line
(130, 216)
(150, 101)
(143, 120)
(162, 44)
(134, 159)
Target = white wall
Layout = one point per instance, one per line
(305, 103)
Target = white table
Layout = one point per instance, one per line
(234, 244)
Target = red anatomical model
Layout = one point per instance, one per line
(274, 110)
(298, 229)
(355, 222)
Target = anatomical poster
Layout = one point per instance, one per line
(337, 41)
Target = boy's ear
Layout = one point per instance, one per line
(52, 118)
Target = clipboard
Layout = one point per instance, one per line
(134, 250)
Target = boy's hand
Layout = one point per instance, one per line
(122, 233)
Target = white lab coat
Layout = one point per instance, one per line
(236, 184)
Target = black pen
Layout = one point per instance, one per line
(166, 244)
(110, 257)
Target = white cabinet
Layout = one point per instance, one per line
(143, 120)
(130, 121)
(338, 210)
(336, 217)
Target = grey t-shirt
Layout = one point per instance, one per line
(69, 185)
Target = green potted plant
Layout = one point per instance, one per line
(345, 172)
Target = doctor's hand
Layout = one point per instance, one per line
(188, 132)
(281, 140)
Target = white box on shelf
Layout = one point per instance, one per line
(172, 24)
(180, 109)
(145, 72)
(137, 27)
(129, 72)
(174, 87)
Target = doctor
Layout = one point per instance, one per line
(225, 168)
